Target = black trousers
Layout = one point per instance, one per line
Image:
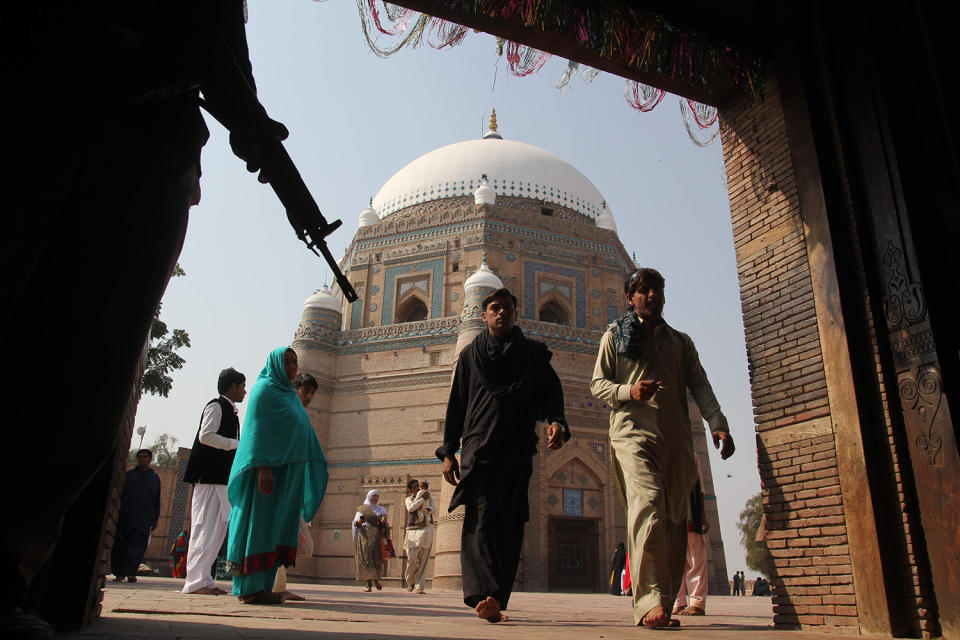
(127, 553)
(495, 510)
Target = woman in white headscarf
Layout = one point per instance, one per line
(369, 526)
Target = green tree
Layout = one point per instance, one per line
(164, 451)
(162, 356)
(758, 556)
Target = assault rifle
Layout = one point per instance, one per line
(243, 114)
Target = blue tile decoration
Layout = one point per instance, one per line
(374, 290)
(530, 271)
(356, 310)
(454, 296)
(573, 503)
(595, 293)
(611, 314)
(511, 257)
(436, 266)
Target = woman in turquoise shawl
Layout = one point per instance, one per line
(279, 474)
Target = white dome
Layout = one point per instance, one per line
(323, 299)
(369, 217)
(483, 277)
(514, 169)
(484, 193)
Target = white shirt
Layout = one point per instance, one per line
(210, 424)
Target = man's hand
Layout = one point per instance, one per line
(643, 390)
(265, 480)
(249, 142)
(451, 470)
(728, 446)
(554, 436)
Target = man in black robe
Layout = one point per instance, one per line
(502, 385)
(139, 513)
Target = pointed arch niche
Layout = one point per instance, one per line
(413, 299)
(554, 301)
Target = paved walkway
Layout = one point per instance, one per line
(154, 608)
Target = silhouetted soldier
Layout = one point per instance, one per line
(104, 158)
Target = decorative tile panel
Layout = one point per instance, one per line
(573, 503)
(435, 266)
(530, 271)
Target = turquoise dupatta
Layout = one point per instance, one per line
(277, 433)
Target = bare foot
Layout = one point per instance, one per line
(367, 589)
(207, 591)
(489, 610)
(691, 610)
(656, 617)
(289, 595)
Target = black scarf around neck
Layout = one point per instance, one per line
(628, 336)
(502, 363)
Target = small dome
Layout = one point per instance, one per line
(484, 193)
(605, 219)
(323, 299)
(484, 277)
(369, 216)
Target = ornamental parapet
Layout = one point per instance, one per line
(433, 328)
(576, 338)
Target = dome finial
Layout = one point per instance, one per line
(492, 131)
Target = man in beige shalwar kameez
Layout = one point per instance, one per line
(419, 534)
(644, 368)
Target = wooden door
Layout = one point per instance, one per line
(574, 555)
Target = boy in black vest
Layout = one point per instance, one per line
(209, 470)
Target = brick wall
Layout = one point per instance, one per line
(806, 530)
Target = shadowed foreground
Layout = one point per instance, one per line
(154, 608)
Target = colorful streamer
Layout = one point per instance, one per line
(642, 97)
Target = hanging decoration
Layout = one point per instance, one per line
(698, 119)
(404, 25)
(445, 34)
(574, 69)
(703, 114)
(645, 40)
(523, 60)
(642, 97)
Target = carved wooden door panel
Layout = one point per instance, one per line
(574, 558)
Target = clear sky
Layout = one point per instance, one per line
(356, 119)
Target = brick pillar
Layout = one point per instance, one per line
(811, 461)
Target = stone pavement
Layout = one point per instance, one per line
(154, 608)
